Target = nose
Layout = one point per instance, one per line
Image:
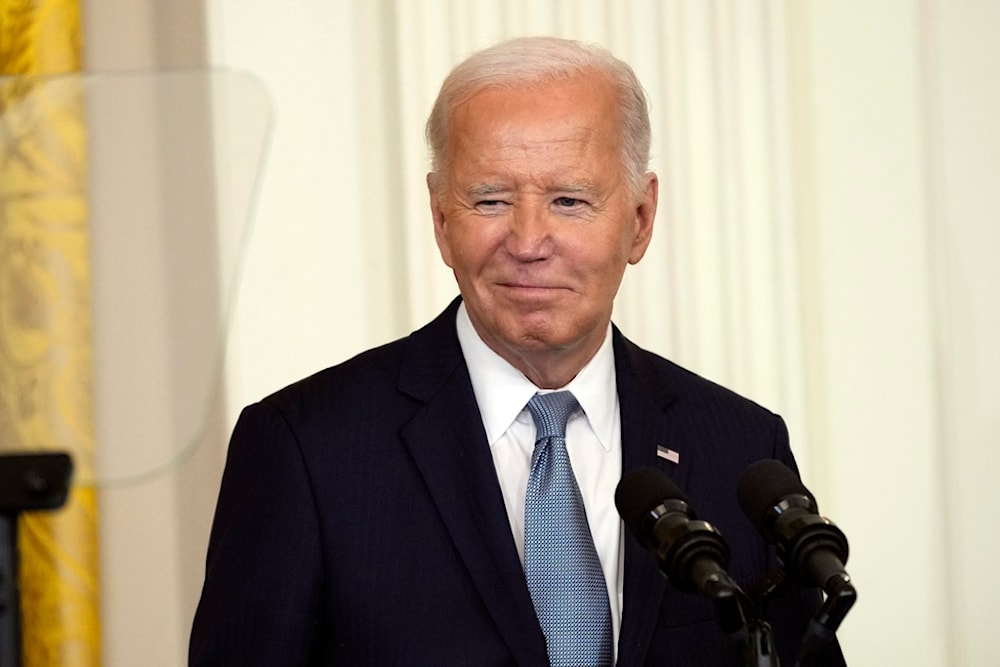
(529, 236)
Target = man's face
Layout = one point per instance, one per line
(536, 218)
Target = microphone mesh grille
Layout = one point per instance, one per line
(639, 491)
(762, 484)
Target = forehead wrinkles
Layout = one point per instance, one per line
(549, 138)
(573, 162)
(499, 175)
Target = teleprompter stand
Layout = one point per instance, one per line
(28, 482)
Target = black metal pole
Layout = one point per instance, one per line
(28, 481)
(10, 599)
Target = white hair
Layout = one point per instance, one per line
(529, 60)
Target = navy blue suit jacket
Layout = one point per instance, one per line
(360, 520)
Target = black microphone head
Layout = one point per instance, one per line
(639, 492)
(763, 485)
(811, 548)
(692, 554)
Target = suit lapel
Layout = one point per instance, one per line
(644, 399)
(448, 444)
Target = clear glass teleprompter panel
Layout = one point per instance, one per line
(125, 207)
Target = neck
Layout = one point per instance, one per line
(549, 369)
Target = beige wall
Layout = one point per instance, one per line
(825, 245)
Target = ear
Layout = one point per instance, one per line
(645, 212)
(436, 194)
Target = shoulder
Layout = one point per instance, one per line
(373, 370)
(671, 382)
(389, 379)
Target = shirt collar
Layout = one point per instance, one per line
(502, 391)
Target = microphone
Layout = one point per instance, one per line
(811, 548)
(691, 553)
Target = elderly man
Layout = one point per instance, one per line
(447, 499)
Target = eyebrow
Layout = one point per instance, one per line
(484, 189)
(572, 188)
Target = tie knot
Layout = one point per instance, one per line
(551, 412)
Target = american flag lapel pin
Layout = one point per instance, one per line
(668, 454)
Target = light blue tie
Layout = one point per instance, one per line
(560, 562)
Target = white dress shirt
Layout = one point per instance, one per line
(593, 440)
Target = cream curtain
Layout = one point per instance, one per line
(825, 243)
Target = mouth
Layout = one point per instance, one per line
(523, 285)
(531, 291)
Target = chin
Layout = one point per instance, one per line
(535, 339)
(533, 332)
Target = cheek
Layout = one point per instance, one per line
(605, 269)
(454, 243)
(471, 248)
(601, 254)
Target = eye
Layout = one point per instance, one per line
(490, 205)
(569, 202)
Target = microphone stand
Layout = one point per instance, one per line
(840, 597)
(27, 482)
(753, 634)
(822, 628)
